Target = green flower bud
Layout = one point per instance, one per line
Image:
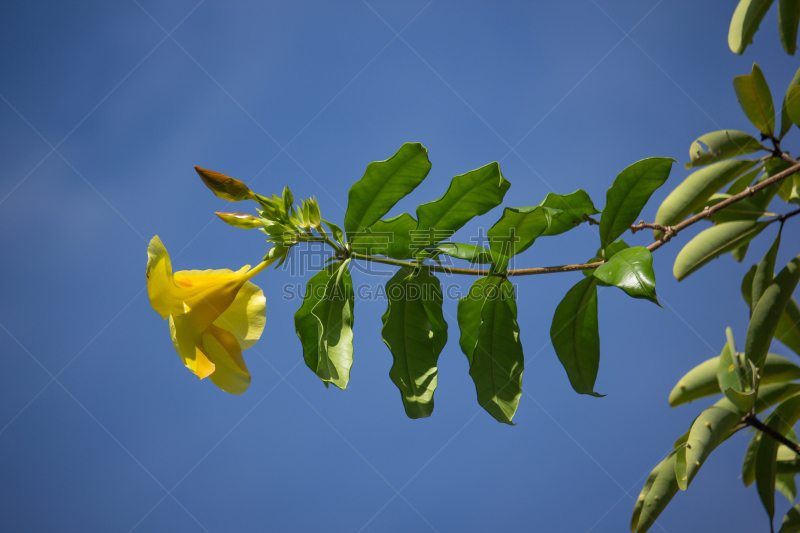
(241, 220)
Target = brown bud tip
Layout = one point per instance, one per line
(224, 186)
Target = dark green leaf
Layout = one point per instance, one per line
(749, 464)
(784, 483)
(575, 336)
(788, 18)
(468, 252)
(468, 196)
(744, 24)
(713, 426)
(719, 145)
(793, 104)
(701, 381)
(632, 271)
(415, 332)
(739, 252)
(519, 227)
(786, 120)
(693, 194)
(791, 522)
(788, 330)
(605, 254)
(469, 314)
(574, 206)
(756, 100)
(324, 324)
(391, 237)
(768, 311)
(629, 194)
(713, 242)
(765, 270)
(781, 420)
(497, 360)
(383, 185)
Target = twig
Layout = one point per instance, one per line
(752, 420)
(668, 232)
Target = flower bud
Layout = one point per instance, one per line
(241, 220)
(224, 186)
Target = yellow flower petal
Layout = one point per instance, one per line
(185, 344)
(160, 283)
(246, 316)
(230, 373)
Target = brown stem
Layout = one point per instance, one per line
(668, 232)
(752, 420)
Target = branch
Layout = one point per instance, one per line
(668, 232)
(752, 420)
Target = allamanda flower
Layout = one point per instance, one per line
(213, 315)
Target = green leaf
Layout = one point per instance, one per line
(713, 242)
(786, 121)
(719, 145)
(781, 420)
(468, 252)
(744, 23)
(744, 181)
(574, 206)
(648, 484)
(324, 324)
(793, 104)
(756, 100)
(739, 252)
(767, 312)
(469, 195)
(383, 185)
(711, 428)
(693, 194)
(575, 336)
(788, 330)
(469, 314)
(749, 464)
(415, 332)
(629, 194)
(742, 210)
(497, 360)
(605, 254)
(701, 381)
(791, 522)
(784, 483)
(788, 18)
(632, 271)
(731, 374)
(336, 231)
(519, 227)
(765, 270)
(663, 489)
(392, 237)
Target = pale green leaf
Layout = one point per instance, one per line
(786, 121)
(719, 145)
(756, 100)
(713, 242)
(745, 22)
(713, 426)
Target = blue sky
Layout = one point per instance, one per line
(106, 106)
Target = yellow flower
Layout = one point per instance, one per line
(213, 316)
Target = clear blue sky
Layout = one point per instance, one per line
(99, 420)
